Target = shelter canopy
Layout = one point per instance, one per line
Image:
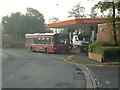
(76, 23)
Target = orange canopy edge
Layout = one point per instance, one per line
(77, 22)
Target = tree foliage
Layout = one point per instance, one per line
(53, 20)
(56, 30)
(105, 7)
(94, 13)
(77, 11)
(109, 7)
(12, 24)
(18, 24)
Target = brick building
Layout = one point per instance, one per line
(105, 32)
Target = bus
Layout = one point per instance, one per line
(48, 42)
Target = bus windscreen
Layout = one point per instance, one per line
(62, 39)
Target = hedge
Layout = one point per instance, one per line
(112, 53)
(109, 52)
(92, 46)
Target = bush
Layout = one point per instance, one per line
(99, 49)
(112, 53)
(106, 49)
(106, 43)
(92, 46)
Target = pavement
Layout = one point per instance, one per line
(83, 59)
(106, 73)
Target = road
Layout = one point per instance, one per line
(106, 74)
(24, 69)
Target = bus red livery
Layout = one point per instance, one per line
(48, 42)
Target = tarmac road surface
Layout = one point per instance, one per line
(24, 69)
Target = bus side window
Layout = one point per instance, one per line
(34, 40)
(38, 40)
(48, 40)
(31, 40)
(27, 40)
(43, 41)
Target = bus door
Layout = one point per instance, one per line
(50, 44)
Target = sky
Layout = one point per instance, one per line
(49, 8)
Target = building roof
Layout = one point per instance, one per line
(77, 22)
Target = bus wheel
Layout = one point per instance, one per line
(46, 50)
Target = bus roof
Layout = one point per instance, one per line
(34, 35)
(40, 34)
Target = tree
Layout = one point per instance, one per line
(48, 30)
(109, 6)
(53, 20)
(56, 30)
(18, 24)
(78, 11)
(106, 8)
(94, 13)
(36, 20)
(12, 24)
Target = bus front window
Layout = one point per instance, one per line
(62, 40)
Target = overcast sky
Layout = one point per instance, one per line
(48, 8)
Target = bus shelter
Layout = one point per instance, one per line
(75, 26)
